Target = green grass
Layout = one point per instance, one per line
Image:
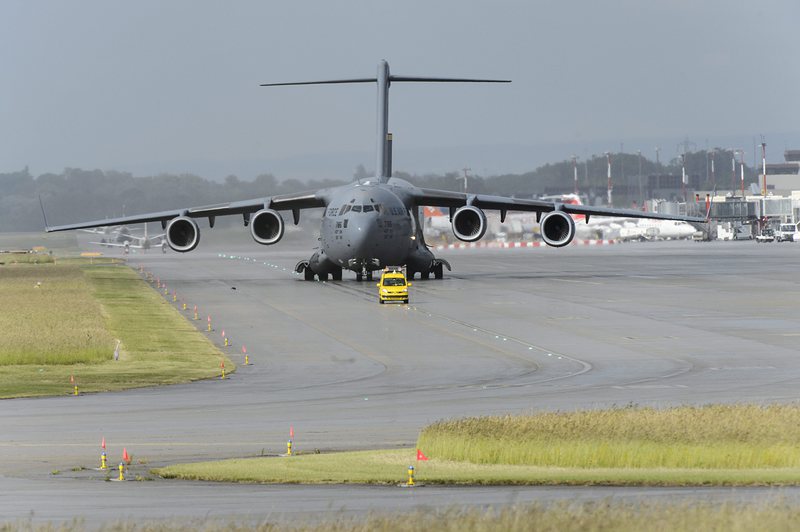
(390, 467)
(710, 437)
(25, 258)
(61, 243)
(67, 325)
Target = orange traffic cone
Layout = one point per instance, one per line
(125, 457)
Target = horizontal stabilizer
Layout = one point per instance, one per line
(421, 79)
(446, 80)
(324, 82)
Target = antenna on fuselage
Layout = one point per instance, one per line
(384, 80)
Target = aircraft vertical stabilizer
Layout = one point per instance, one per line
(384, 80)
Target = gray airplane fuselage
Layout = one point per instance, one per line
(369, 225)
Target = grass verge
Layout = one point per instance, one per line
(67, 326)
(775, 514)
(707, 437)
(717, 445)
(390, 467)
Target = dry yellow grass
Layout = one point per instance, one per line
(67, 325)
(717, 436)
(49, 316)
(774, 515)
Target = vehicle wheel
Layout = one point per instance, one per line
(323, 276)
(369, 276)
(405, 301)
(308, 274)
(381, 301)
(337, 275)
(438, 271)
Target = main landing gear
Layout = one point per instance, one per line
(436, 269)
(309, 274)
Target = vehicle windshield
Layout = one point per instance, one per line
(394, 281)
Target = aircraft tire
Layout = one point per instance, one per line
(424, 275)
(308, 274)
(438, 271)
(337, 275)
(369, 276)
(323, 276)
(359, 277)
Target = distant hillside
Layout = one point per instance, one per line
(76, 194)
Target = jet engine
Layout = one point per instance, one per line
(469, 224)
(266, 227)
(557, 229)
(183, 234)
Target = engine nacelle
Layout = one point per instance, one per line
(183, 234)
(469, 224)
(557, 229)
(266, 227)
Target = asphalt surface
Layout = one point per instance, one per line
(507, 331)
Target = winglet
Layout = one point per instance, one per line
(46, 226)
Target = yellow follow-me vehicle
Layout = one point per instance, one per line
(393, 286)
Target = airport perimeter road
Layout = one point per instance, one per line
(507, 331)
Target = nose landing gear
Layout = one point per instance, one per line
(360, 276)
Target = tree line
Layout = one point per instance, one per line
(78, 195)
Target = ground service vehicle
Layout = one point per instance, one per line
(393, 287)
(767, 235)
(786, 233)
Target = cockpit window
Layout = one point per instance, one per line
(356, 208)
(367, 208)
(378, 207)
(345, 210)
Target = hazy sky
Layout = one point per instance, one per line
(160, 84)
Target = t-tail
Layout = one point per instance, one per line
(384, 79)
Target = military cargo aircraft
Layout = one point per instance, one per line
(373, 222)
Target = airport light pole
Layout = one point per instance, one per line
(641, 194)
(610, 187)
(575, 173)
(764, 167)
(741, 166)
(683, 176)
(713, 178)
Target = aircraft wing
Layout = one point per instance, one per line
(444, 198)
(292, 202)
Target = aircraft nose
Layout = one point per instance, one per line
(363, 233)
